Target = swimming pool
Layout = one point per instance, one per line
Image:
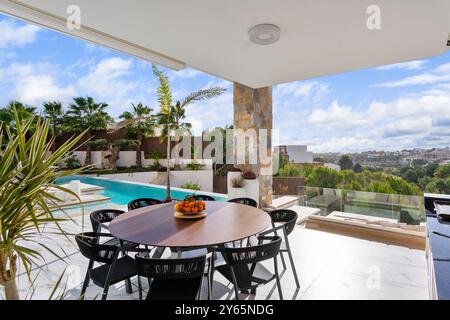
(123, 192)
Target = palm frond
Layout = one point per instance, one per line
(163, 92)
(201, 95)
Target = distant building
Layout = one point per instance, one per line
(332, 166)
(296, 153)
(376, 156)
(299, 154)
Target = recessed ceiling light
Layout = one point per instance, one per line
(264, 34)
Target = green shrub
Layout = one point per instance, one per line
(191, 186)
(291, 170)
(194, 166)
(72, 162)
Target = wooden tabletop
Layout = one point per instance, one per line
(157, 226)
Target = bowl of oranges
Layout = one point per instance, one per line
(190, 207)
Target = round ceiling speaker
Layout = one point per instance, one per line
(264, 34)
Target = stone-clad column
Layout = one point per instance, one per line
(253, 110)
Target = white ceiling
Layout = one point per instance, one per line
(318, 37)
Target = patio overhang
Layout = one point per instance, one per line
(313, 38)
(316, 37)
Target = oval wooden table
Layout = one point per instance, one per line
(157, 226)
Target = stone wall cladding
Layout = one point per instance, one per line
(253, 110)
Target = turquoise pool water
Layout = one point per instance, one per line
(122, 192)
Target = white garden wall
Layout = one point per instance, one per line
(128, 159)
(203, 177)
(97, 158)
(178, 178)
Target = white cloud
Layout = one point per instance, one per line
(410, 65)
(443, 68)
(34, 83)
(421, 79)
(337, 116)
(305, 89)
(343, 144)
(105, 81)
(185, 73)
(407, 127)
(418, 120)
(15, 35)
(39, 88)
(439, 74)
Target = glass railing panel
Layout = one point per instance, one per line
(401, 208)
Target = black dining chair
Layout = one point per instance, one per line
(203, 197)
(286, 220)
(112, 269)
(243, 266)
(246, 201)
(142, 202)
(171, 279)
(100, 219)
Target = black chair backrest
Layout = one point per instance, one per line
(252, 254)
(285, 216)
(184, 268)
(103, 216)
(246, 201)
(203, 197)
(88, 243)
(142, 202)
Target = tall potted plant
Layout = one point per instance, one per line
(28, 169)
(172, 115)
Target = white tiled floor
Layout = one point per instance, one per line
(329, 266)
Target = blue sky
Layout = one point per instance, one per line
(394, 107)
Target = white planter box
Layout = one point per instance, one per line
(252, 189)
(234, 193)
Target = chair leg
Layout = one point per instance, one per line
(105, 292)
(199, 294)
(109, 275)
(87, 278)
(128, 287)
(282, 260)
(210, 278)
(277, 277)
(85, 285)
(139, 287)
(235, 285)
(291, 259)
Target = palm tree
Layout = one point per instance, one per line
(23, 111)
(171, 116)
(142, 125)
(85, 114)
(53, 112)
